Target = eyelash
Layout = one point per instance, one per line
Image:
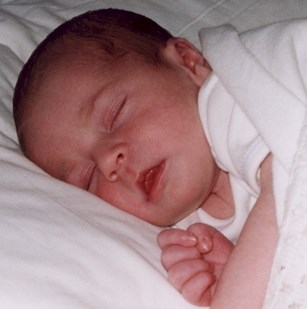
(113, 114)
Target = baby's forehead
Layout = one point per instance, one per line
(69, 67)
(76, 53)
(73, 66)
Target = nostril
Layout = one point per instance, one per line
(120, 158)
(113, 176)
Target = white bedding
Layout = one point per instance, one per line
(62, 247)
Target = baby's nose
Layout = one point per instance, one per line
(111, 161)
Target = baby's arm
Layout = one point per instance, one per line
(194, 260)
(245, 277)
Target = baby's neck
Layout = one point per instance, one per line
(220, 202)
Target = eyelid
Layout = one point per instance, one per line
(113, 112)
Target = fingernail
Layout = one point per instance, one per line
(204, 245)
(191, 237)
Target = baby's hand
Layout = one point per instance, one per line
(194, 260)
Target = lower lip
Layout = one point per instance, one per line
(156, 187)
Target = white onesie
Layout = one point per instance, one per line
(237, 148)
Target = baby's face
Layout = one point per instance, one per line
(133, 138)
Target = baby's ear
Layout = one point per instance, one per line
(184, 54)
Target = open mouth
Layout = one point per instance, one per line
(149, 180)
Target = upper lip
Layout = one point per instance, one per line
(149, 179)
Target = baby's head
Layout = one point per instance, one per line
(108, 103)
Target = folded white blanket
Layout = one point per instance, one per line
(265, 71)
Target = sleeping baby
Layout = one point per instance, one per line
(112, 103)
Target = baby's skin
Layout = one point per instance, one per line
(194, 259)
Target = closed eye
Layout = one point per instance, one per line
(113, 114)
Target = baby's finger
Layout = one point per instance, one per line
(204, 234)
(198, 290)
(216, 248)
(182, 272)
(176, 237)
(172, 255)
